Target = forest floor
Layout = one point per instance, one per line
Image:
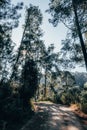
(50, 116)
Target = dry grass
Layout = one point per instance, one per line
(82, 116)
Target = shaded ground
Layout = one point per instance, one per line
(50, 116)
(82, 116)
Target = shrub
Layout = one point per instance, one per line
(83, 101)
(29, 81)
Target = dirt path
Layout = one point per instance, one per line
(50, 116)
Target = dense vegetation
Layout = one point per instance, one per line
(35, 72)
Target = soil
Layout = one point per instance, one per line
(81, 115)
(50, 116)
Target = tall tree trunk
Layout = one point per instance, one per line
(37, 95)
(79, 33)
(17, 58)
(38, 91)
(19, 52)
(45, 82)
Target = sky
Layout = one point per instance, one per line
(52, 35)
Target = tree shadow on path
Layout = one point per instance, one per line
(50, 116)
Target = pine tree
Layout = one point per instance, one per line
(31, 44)
(9, 18)
(73, 15)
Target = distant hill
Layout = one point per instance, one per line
(80, 78)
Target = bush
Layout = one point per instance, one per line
(83, 100)
(84, 107)
(5, 90)
(29, 81)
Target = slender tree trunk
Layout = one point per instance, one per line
(45, 82)
(19, 52)
(79, 33)
(38, 91)
(53, 89)
(17, 58)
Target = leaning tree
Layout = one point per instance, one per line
(73, 14)
(9, 19)
(31, 43)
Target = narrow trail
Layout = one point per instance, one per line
(50, 116)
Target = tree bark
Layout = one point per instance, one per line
(79, 33)
(45, 82)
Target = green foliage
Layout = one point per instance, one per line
(85, 86)
(73, 95)
(48, 62)
(9, 15)
(62, 11)
(29, 80)
(83, 107)
(24, 70)
(32, 32)
(5, 90)
(71, 53)
(73, 16)
(31, 45)
(83, 100)
(9, 18)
